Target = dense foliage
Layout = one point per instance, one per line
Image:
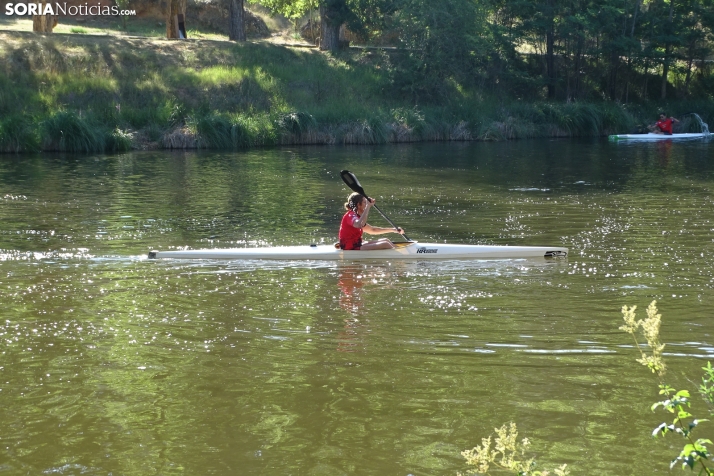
(621, 50)
(612, 49)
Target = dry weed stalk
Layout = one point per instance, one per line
(505, 452)
(650, 331)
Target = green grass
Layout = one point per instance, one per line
(94, 94)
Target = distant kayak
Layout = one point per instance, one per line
(403, 251)
(655, 137)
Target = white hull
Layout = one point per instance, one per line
(656, 137)
(404, 251)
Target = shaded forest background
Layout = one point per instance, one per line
(618, 50)
(357, 71)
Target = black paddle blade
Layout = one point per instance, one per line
(352, 182)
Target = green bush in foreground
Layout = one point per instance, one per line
(505, 452)
(695, 453)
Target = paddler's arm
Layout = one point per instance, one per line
(373, 230)
(378, 230)
(362, 221)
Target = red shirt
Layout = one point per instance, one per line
(350, 237)
(665, 125)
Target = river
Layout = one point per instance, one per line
(115, 364)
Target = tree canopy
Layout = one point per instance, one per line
(562, 49)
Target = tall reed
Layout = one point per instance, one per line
(67, 131)
(18, 133)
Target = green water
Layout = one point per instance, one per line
(114, 364)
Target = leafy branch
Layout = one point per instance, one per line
(695, 451)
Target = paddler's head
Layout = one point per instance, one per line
(354, 201)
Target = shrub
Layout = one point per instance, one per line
(213, 131)
(296, 122)
(66, 131)
(119, 140)
(18, 134)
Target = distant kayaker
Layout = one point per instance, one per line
(664, 125)
(354, 223)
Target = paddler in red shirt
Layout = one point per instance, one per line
(664, 125)
(354, 223)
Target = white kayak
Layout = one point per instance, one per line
(404, 251)
(655, 137)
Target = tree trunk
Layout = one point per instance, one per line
(550, 51)
(690, 64)
(667, 52)
(329, 28)
(550, 63)
(628, 73)
(173, 8)
(236, 26)
(578, 56)
(629, 52)
(634, 18)
(44, 23)
(665, 72)
(614, 67)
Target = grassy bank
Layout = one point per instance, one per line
(93, 94)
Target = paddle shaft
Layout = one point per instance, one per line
(390, 221)
(351, 180)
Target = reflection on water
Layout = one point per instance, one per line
(112, 363)
(351, 284)
(351, 281)
(664, 150)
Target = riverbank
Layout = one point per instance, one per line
(68, 92)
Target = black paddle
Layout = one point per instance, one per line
(352, 182)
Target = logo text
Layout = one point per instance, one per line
(63, 9)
